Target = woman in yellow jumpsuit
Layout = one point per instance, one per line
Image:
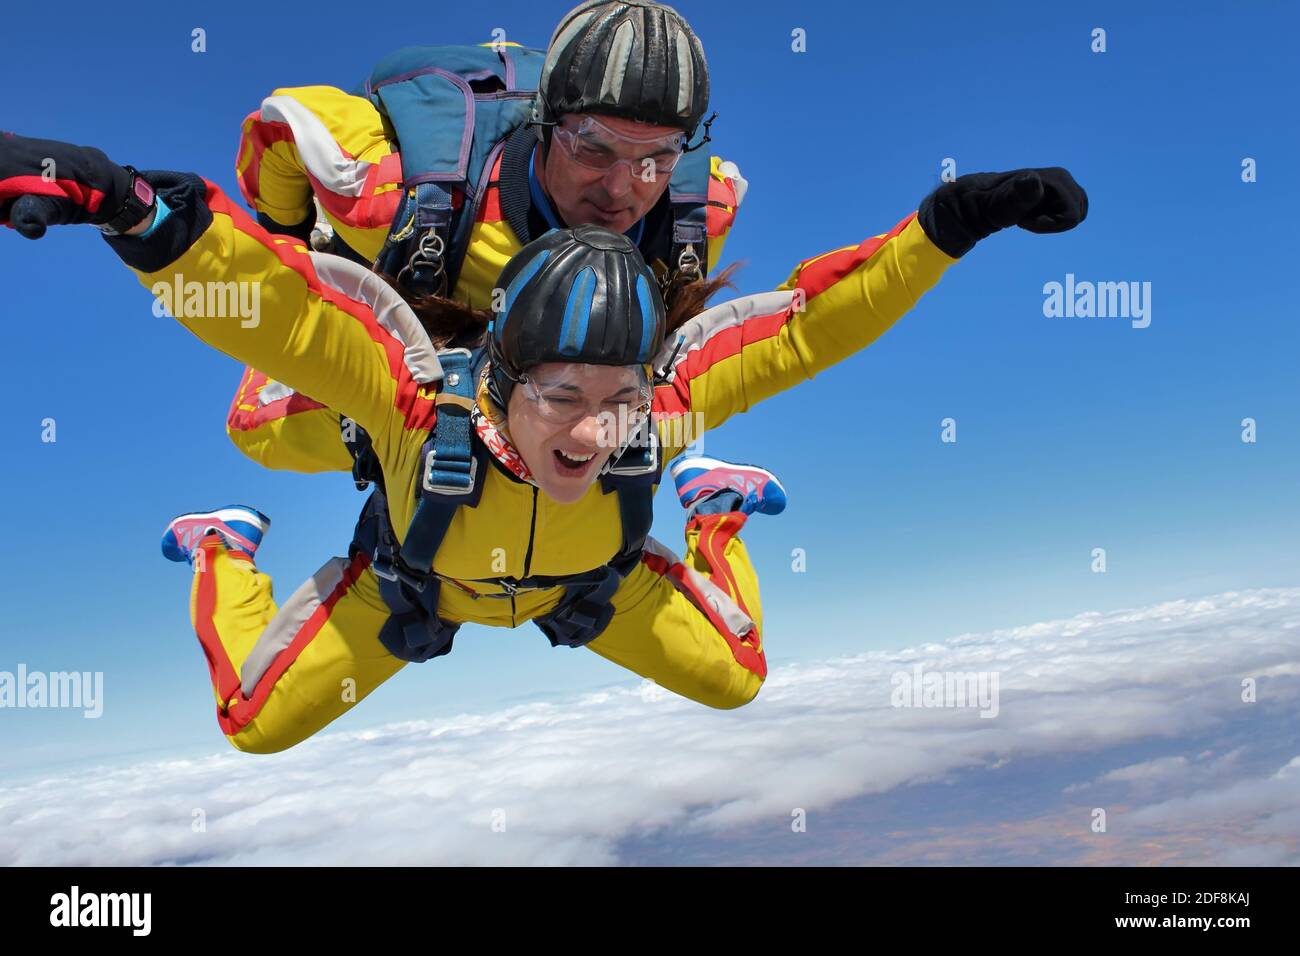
(336, 331)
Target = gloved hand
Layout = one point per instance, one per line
(961, 213)
(87, 185)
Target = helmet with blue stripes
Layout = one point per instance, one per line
(580, 295)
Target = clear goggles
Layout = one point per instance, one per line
(565, 396)
(590, 143)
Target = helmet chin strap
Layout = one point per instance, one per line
(497, 364)
(612, 460)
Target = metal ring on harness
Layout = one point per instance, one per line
(429, 251)
(688, 265)
(687, 271)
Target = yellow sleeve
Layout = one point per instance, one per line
(320, 141)
(322, 325)
(727, 190)
(738, 353)
(281, 429)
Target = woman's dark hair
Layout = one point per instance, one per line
(452, 324)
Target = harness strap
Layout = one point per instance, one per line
(690, 244)
(636, 506)
(689, 193)
(450, 466)
(583, 613)
(513, 186)
(365, 463)
(413, 631)
(587, 606)
(426, 268)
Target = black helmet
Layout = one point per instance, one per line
(575, 295)
(631, 58)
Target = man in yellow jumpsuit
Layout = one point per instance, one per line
(624, 87)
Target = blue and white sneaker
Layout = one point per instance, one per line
(241, 527)
(698, 479)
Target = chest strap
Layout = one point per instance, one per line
(449, 470)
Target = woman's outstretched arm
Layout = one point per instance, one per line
(738, 353)
(318, 323)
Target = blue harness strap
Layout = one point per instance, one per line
(449, 108)
(688, 191)
(450, 467)
(427, 214)
(586, 608)
(413, 630)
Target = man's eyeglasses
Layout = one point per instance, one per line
(592, 144)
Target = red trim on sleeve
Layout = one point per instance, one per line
(367, 211)
(818, 275)
(247, 413)
(418, 411)
(675, 397)
(721, 210)
(815, 276)
(257, 139)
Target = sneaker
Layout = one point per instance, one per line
(701, 478)
(241, 527)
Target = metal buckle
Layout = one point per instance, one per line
(446, 489)
(390, 570)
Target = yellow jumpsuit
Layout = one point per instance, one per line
(331, 329)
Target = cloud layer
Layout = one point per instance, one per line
(1139, 713)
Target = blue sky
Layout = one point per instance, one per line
(1073, 434)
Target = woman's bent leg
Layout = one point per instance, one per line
(280, 675)
(692, 625)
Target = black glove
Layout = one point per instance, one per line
(87, 185)
(961, 213)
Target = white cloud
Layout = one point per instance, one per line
(572, 780)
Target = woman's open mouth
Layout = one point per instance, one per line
(572, 465)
